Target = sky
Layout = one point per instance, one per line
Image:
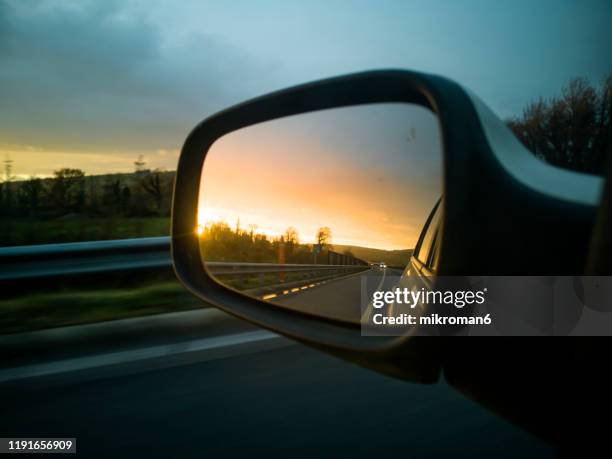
(370, 173)
(95, 84)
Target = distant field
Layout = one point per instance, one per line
(25, 231)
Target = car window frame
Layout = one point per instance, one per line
(424, 261)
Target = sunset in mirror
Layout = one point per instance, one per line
(370, 174)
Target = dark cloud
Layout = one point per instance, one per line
(89, 76)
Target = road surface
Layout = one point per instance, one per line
(340, 298)
(249, 400)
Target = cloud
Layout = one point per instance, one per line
(97, 76)
(135, 76)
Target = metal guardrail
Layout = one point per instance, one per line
(239, 269)
(263, 278)
(79, 258)
(46, 261)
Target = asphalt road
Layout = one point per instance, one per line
(287, 401)
(340, 298)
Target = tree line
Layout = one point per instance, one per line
(220, 242)
(144, 193)
(571, 130)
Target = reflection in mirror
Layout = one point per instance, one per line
(293, 211)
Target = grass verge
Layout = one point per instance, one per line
(77, 306)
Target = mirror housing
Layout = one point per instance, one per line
(486, 227)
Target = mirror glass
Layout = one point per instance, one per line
(295, 210)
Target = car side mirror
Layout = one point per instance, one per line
(279, 196)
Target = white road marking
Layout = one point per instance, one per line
(83, 363)
(365, 318)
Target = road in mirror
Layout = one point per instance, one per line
(293, 211)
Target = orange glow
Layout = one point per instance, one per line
(278, 174)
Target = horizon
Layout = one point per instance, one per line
(301, 239)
